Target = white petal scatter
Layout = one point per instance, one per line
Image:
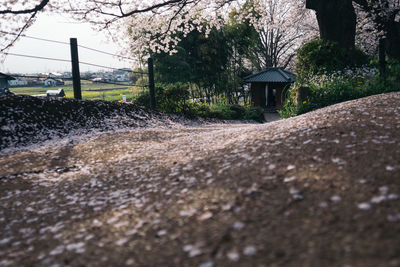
(290, 167)
(393, 217)
(378, 199)
(238, 225)
(5, 241)
(121, 242)
(139, 188)
(131, 232)
(384, 190)
(194, 250)
(97, 223)
(336, 198)
(208, 263)
(233, 255)
(250, 250)
(76, 247)
(323, 204)
(188, 213)
(289, 179)
(272, 166)
(205, 216)
(161, 233)
(296, 194)
(58, 250)
(364, 206)
(390, 168)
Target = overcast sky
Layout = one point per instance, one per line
(60, 29)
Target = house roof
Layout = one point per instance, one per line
(5, 76)
(276, 75)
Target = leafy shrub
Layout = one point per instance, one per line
(291, 107)
(341, 86)
(142, 99)
(175, 98)
(171, 98)
(254, 113)
(238, 112)
(222, 111)
(235, 112)
(318, 56)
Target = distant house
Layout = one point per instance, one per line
(34, 82)
(17, 82)
(50, 82)
(54, 75)
(122, 75)
(4, 87)
(269, 87)
(121, 78)
(100, 80)
(67, 75)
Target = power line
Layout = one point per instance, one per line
(37, 57)
(111, 68)
(36, 38)
(122, 84)
(106, 53)
(65, 43)
(67, 60)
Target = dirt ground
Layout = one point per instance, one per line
(321, 189)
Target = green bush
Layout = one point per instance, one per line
(254, 113)
(318, 56)
(238, 112)
(223, 112)
(171, 98)
(335, 88)
(334, 75)
(142, 99)
(290, 107)
(175, 98)
(235, 112)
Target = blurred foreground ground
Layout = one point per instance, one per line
(321, 189)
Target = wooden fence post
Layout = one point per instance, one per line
(76, 77)
(382, 58)
(303, 94)
(151, 83)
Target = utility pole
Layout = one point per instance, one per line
(151, 83)
(382, 58)
(76, 76)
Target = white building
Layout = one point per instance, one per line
(50, 82)
(17, 82)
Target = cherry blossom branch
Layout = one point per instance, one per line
(35, 9)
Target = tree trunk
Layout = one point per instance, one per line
(336, 20)
(393, 40)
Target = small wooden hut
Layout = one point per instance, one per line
(268, 88)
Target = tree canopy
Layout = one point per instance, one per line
(337, 21)
(165, 18)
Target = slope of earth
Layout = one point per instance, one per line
(321, 189)
(26, 120)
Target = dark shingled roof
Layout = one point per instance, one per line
(276, 75)
(5, 76)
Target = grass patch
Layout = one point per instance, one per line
(108, 92)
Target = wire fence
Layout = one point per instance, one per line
(105, 85)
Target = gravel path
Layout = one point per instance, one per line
(321, 189)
